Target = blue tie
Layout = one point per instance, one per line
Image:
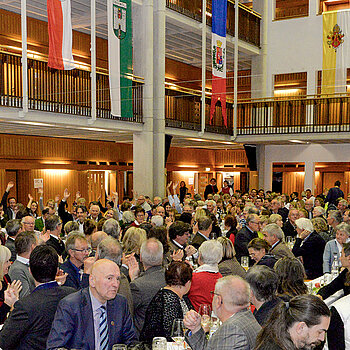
(103, 329)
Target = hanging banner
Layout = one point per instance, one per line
(60, 34)
(218, 40)
(335, 51)
(120, 57)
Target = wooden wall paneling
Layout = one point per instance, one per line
(23, 183)
(3, 182)
(120, 184)
(292, 181)
(96, 186)
(329, 178)
(236, 181)
(203, 180)
(178, 176)
(346, 185)
(219, 180)
(11, 175)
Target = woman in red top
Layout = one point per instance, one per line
(205, 276)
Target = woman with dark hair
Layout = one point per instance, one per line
(300, 323)
(343, 280)
(160, 233)
(183, 191)
(169, 303)
(231, 227)
(291, 276)
(258, 250)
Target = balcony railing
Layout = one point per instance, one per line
(266, 116)
(66, 92)
(248, 21)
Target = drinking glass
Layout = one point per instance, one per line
(205, 312)
(178, 332)
(119, 347)
(245, 262)
(159, 343)
(290, 242)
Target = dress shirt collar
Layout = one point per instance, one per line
(96, 304)
(23, 260)
(274, 245)
(207, 268)
(177, 244)
(206, 238)
(51, 235)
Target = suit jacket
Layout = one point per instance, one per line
(64, 214)
(243, 237)
(10, 244)
(238, 332)
(73, 279)
(280, 250)
(330, 249)
(289, 229)
(73, 325)
(311, 250)
(231, 267)
(56, 244)
(143, 289)
(8, 212)
(209, 189)
(30, 321)
(20, 271)
(198, 239)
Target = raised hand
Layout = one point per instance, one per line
(30, 197)
(77, 195)
(175, 186)
(9, 186)
(178, 255)
(66, 194)
(61, 277)
(192, 321)
(57, 198)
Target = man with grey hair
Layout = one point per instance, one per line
(205, 225)
(146, 286)
(245, 235)
(53, 226)
(13, 228)
(109, 248)
(274, 235)
(239, 327)
(263, 282)
(342, 206)
(112, 228)
(78, 250)
(95, 239)
(334, 218)
(157, 220)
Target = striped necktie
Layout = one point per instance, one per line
(103, 329)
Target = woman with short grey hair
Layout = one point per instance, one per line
(205, 276)
(334, 247)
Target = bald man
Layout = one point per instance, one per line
(96, 317)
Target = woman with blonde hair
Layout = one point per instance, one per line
(229, 265)
(133, 239)
(9, 292)
(276, 219)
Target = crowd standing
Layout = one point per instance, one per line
(126, 271)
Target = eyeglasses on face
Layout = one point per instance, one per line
(86, 250)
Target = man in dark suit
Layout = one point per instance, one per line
(211, 188)
(276, 208)
(13, 228)
(245, 235)
(95, 317)
(289, 227)
(53, 226)
(25, 243)
(146, 286)
(334, 193)
(205, 225)
(29, 323)
(9, 203)
(78, 250)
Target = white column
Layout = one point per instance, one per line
(309, 179)
(143, 66)
(159, 97)
(268, 176)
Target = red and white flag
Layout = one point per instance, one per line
(60, 34)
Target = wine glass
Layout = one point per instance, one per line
(177, 331)
(245, 262)
(205, 312)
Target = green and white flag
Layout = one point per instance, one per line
(120, 57)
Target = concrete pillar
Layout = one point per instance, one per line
(159, 173)
(268, 167)
(143, 66)
(309, 179)
(260, 159)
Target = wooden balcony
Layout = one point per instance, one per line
(248, 21)
(67, 92)
(309, 114)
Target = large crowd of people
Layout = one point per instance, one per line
(122, 272)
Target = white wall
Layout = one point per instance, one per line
(308, 154)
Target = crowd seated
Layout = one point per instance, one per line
(122, 271)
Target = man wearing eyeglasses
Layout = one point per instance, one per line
(78, 250)
(230, 304)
